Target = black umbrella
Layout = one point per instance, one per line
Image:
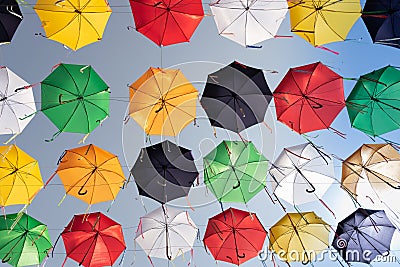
(164, 172)
(10, 18)
(364, 235)
(236, 97)
(382, 19)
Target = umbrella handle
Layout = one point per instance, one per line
(236, 185)
(305, 261)
(6, 260)
(80, 192)
(312, 190)
(240, 256)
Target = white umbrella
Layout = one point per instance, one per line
(249, 22)
(301, 173)
(16, 102)
(166, 233)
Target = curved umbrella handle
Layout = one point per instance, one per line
(236, 185)
(240, 256)
(60, 100)
(312, 190)
(6, 260)
(318, 105)
(305, 261)
(80, 192)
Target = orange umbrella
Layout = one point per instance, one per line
(90, 174)
(163, 101)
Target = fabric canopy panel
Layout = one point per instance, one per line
(248, 22)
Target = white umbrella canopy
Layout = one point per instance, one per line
(166, 233)
(14, 104)
(302, 174)
(249, 22)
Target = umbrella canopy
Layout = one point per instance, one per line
(167, 22)
(93, 240)
(10, 18)
(322, 22)
(309, 98)
(75, 98)
(27, 243)
(234, 236)
(364, 230)
(164, 172)
(16, 101)
(248, 22)
(166, 233)
(299, 237)
(382, 20)
(302, 173)
(236, 97)
(75, 23)
(379, 163)
(163, 101)
(20, 178)
(235, 171)
(373, 105)
(91, 174)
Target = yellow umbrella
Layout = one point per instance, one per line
(163, 101)
(323, 21)
(20, 178)
(299, 237)
(74, 23)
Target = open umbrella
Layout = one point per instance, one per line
(309, 98)
(20, 178)
(163, 101)
(166, 233)
(25, 244)
(373, 105)
(73, 23)
(302, 174)
(379, 163)
(234, 236)
(248, 22)
(164, 172)
(16, 101)
(363, 235)
(10, 18)
(93, 240)
(299, 237)
(75, 98)
(322, 22)
(90, 174)
(236, 97)
(167, 22)
(382, 21)
(235, 171)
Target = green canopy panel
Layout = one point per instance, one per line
(235, 171)
(374, 103)
(27, 243)
(75, 98)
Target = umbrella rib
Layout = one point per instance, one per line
(192, 92)
(174, 106)
(327, 24)
(170, 121)
(233, 21)
(63, 89)
(72, 77)
(89, 101)
(63, 28)
(177, 24)
(293, 28)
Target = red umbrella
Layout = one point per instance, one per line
(309, 98)
(93, 240)
(167, 22)
(234, 236)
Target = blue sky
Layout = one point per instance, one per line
(121, 57)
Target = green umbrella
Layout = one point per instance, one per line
(374, 103)
(27, 243)
(75, 98)
(235, 171)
